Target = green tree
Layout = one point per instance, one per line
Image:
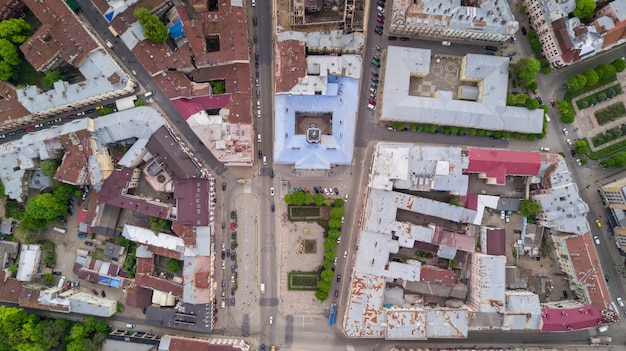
(533, 86)
(15, 30)
(333, 234)
(605, 71)
(159, 225)
(140, 103)
(511, 100)
(336, 213)
(323, 285)
(154, 28)
(49, 167)
(619, 64)
(105, 111)
(42, 209)
(531, 104)
(581, 147)
(338, 203)
(526, 70)
(63, 193)
(218, 87)
(47, 278)
(327, 275)
(572, 85)
(529, 208)
(584, 9)
(9, 52)
(521, 99)
(620, 159)
(318, 199)
(50, 78)
(330, 244)
(297, 198)
(321, 295)
(173, 265)
(334, 223)
(308, 198)
(582, 80)
(592, 77)
(13, 268)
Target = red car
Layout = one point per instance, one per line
(380, 20)
(372, 101)
(552, 102)
(30, 128)
(233, 225)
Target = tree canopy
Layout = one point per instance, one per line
(592, 77)
(50, 78)
(13, 32)
(154, 29)
(529, 208)
(619, 64)
(526, 70)
(49, 167)
(584, 9)
(173, 265)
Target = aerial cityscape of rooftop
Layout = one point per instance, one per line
(312, 175)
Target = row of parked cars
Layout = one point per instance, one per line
(56, 120)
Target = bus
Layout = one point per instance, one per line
(333, 313)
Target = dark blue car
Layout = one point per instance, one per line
(82, 235)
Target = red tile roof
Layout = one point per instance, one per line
(74, 168)
(614, 35)
(587, 268)
(496, 242)
(192, 200)
(82, 214)
(144, 278)
(9, 288)
(114, 193)
(181, 343)
(461, 242)
(137, 296)
(569, 54)
(61, 35)
(497, 164)
(186, 232)
(437, 275)
(189, 107)
(567, 319)
(290, 64)
(11, 110)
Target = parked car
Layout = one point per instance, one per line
(446, 43)
(380, 20)
(596, 240)
(233, 225)
(392, 38)
(404, 38)
(56, 273)
(82, 235)
(336, 293)
(232, 214)
(374, 74)
(104, 294)
(223, 265)
(88, 243)
(94, 291)
(598, 224)
(272, 191)
(77, 284)
(223, 255)
(565, 132)
(338, 278)
(523, 29)
(620, 302)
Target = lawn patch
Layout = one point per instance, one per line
(304, 213)
(598, 97)
(303, 281)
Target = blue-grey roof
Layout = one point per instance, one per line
(489, 112)
(334, 149)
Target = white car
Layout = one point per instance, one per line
(596, 240)
(569, 142)
(338, 240)
(502, 214)
(223, 265)
(620, 302)
(345, 254)
(565, 131)
(445, 43)
(232, 278)
(271, 191)
(258, 138)
(335, 261)
(271, 319)
(253, 3)
(345, 198)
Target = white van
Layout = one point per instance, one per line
(61, 282)
(603, 328)
(60, 230)
(130, 326)
(262, 288)
(147, 94)
(264, 159)
(371, 107)
(223, 304)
